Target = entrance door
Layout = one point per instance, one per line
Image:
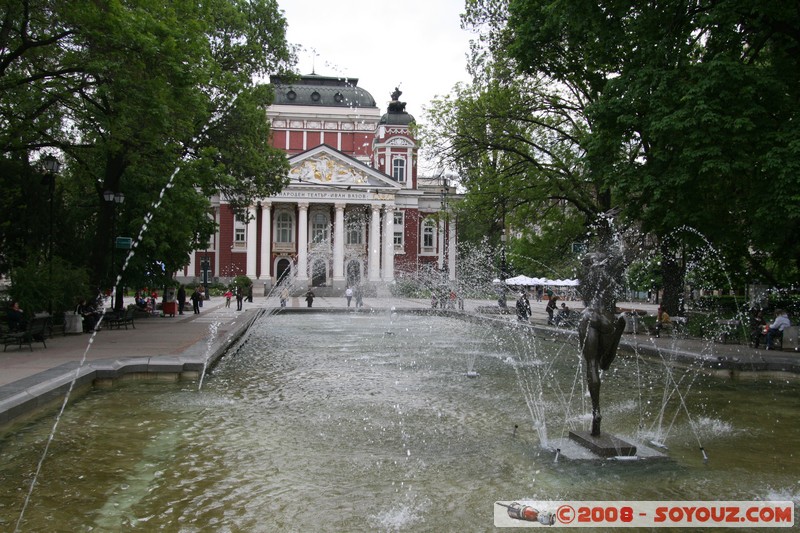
(353, 273)
(283, 269)
(319, 273)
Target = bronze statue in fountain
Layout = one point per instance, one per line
(599, 330)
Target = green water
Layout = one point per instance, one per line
(360, 422)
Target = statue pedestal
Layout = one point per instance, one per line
(603, 445)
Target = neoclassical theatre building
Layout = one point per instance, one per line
(355, 211)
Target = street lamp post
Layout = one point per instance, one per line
(114, 198)
(503, 266)
(205, 266)
(52, 166)
(503, 255)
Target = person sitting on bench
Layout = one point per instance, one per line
(16, 318)
(662, 321)
(775, 330)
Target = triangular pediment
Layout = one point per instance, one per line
(324, 165)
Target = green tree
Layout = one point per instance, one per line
(127, 92)
(521, 145)
(694, 111)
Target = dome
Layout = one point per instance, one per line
(393, 118)
(324, 91)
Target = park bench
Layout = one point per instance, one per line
(37, 330)
(728, 330)
(791, 338)
(123, 319)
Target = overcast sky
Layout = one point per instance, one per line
(416, 45)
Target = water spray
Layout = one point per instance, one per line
(558, 452)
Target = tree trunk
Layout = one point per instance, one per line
(672, 274)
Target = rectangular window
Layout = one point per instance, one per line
(239, 234)
(398, 230)
(429, 236)
(355, 234)
(320, 228)
(284, 223)
(399, 169)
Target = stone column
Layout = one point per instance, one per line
(252, 246)
(442, 245)
(338, 248)
(388, 244)
(302, 241)
(452, 249)
(266, 241)
(374, 272)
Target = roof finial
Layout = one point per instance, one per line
(314, 55)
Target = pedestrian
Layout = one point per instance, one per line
(284, 296)
(523, 307)
(500, 290)
(550, 308)
(196, 297)
(563, 315)
(348, 293)
(310, 297)
(228, 295)
(359, 297)
(239, 298)
(539, 293)
(181, 299)
(250, 293)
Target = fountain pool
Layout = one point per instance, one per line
(362, 421)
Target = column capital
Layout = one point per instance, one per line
(339, 206)
(302, 205)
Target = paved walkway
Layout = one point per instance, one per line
(167, 340)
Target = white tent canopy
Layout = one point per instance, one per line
(528, 281)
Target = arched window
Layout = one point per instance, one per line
(284, 227)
